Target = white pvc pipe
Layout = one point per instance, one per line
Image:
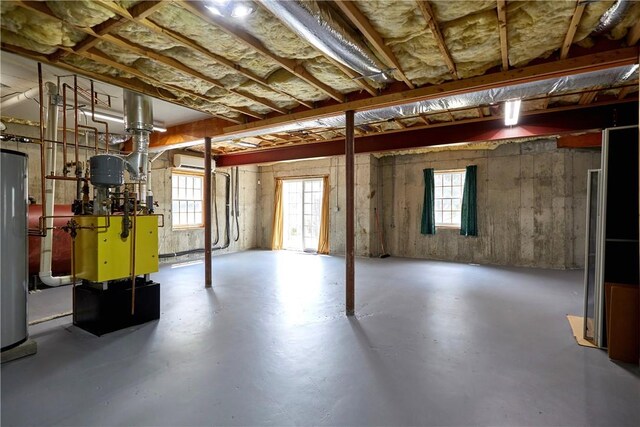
(46, 247)
(32, 93)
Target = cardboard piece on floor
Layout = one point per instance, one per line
(27, 348)
(577, 327)
(623, 327)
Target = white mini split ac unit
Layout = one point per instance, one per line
(190, 162)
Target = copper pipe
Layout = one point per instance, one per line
(41, 230)
(133, 256)
(67, 178)
(94, 120)
(95, 133)
(75, 125)
(207, 212)
(350, 226)
(64, 129)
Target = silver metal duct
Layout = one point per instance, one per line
(138, 121)
(114, 139)
(324, 30)
(556, 86)
(612, 16)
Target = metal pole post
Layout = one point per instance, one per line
(206, 211)
(350, 194)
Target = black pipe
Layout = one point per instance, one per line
(236, 204)
(227, 237)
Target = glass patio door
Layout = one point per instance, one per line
(302, 203)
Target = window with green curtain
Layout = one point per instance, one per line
(469, 222)
(428, 225)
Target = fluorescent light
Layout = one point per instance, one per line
(213, 9)
(234, 9)
(511, 112)
(246, 144)
(118, 119)
(241, 11)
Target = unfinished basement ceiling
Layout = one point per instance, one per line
(247, 69)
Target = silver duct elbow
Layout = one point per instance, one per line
(317, 26)
(612, 16)
(137, 162)
(138, 121)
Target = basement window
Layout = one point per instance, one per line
(448, 189)
(186, 200)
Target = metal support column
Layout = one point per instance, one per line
(206, 211)
(350, 193)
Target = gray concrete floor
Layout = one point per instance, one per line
(433, 343)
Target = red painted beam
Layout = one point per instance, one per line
(585, 140)
(532, 125)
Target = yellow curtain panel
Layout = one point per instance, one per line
(276, 237)
(323, 240)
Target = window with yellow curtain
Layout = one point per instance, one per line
(276, 236)
(296, 209)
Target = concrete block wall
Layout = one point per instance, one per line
(366, 166)
(531, 205)
(176, 240)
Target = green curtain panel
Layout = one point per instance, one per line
(428, 225)
(469, 223)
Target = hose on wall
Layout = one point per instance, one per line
(227, 219)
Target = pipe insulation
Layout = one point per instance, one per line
(602, 79)
(46, 247)
(325, 30)
(21, 97)
(612, 17)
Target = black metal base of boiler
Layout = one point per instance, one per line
(103, 311)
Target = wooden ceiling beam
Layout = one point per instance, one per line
(198, 9)
(573, 27)
(101, 58)
(555, 69)
(502, 24)
(130, 84)
(177, 65)
(588, 97)
(358, 19)
(558, 121)
(429, 16)
(186, 42)
(93, 37)
(624, 92)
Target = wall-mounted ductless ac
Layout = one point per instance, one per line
(184, 161)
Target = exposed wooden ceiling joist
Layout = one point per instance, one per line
(101, 34)
(588, 97)
(358, 19)
(573, 27)
(134, 85)
(101, 58)
(429, 16)
(555, 69)
(186, 42)
(558, 121)
(625, 91)
(502, 23)
(198, 9)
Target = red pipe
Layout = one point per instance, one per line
(61, 262)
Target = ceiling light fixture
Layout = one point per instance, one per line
(117, 119)
(241, 11)
(511, 112)
(246, 144)
(238, 10)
